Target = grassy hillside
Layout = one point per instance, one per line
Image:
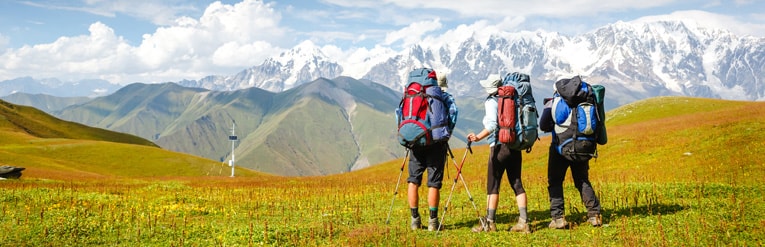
(140, 109)
(676, 171)
(687, 139)
(203, 127)
(67, 159)
(374, 132)
(55, 149)
(15, 118)
(312, 137)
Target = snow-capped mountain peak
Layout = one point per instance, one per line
(303, 63)
(642, 58)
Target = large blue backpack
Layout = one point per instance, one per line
(578, 121)
(422, 116)
(517, 114)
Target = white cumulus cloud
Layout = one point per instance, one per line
(100, 51)
(225, 38)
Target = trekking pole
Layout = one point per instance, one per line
(450, 154)
(459, 174)
(395, 192)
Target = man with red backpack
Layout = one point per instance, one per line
(424, 128)
(505, 155)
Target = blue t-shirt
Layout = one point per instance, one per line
(453, 111)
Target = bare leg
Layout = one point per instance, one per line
(434, 195)
(412, 195)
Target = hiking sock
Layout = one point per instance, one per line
(491, 213)
(433, 213)
(523, 214)
(415, 212)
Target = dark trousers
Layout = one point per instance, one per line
(556, 173)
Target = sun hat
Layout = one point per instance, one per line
(491, 85)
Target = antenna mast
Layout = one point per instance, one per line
(233, 140)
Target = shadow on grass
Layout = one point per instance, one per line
(541, 218)
(579, 216)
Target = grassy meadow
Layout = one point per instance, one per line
(676, 172)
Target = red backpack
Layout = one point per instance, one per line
(506, 114)
(422, 116)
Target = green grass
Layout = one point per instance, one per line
(692, 178)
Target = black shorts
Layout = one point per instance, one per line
(504, 159)
(431, 158)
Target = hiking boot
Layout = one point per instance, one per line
(434, 225)
(485, 225)
(559, 223)
(416, 224)
(521, 227)
(595, 221)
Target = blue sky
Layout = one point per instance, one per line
(125, 41)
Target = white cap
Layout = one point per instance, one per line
(491, 85)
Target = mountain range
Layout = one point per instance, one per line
(288, 116)
(635, 60)
(321, 127)
(56, 87)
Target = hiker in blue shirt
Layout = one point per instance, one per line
(501, 159)
(451, 106)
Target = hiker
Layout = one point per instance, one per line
(424, 129)
(501, 159)
(448, 100)
(557, 165)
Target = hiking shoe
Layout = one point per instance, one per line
(434, 225)
(485, 225)
(416, 224)
(521, 227)
(559, 223)
(595, 221)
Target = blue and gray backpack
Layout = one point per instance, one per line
(579, 119)
(517, 114)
